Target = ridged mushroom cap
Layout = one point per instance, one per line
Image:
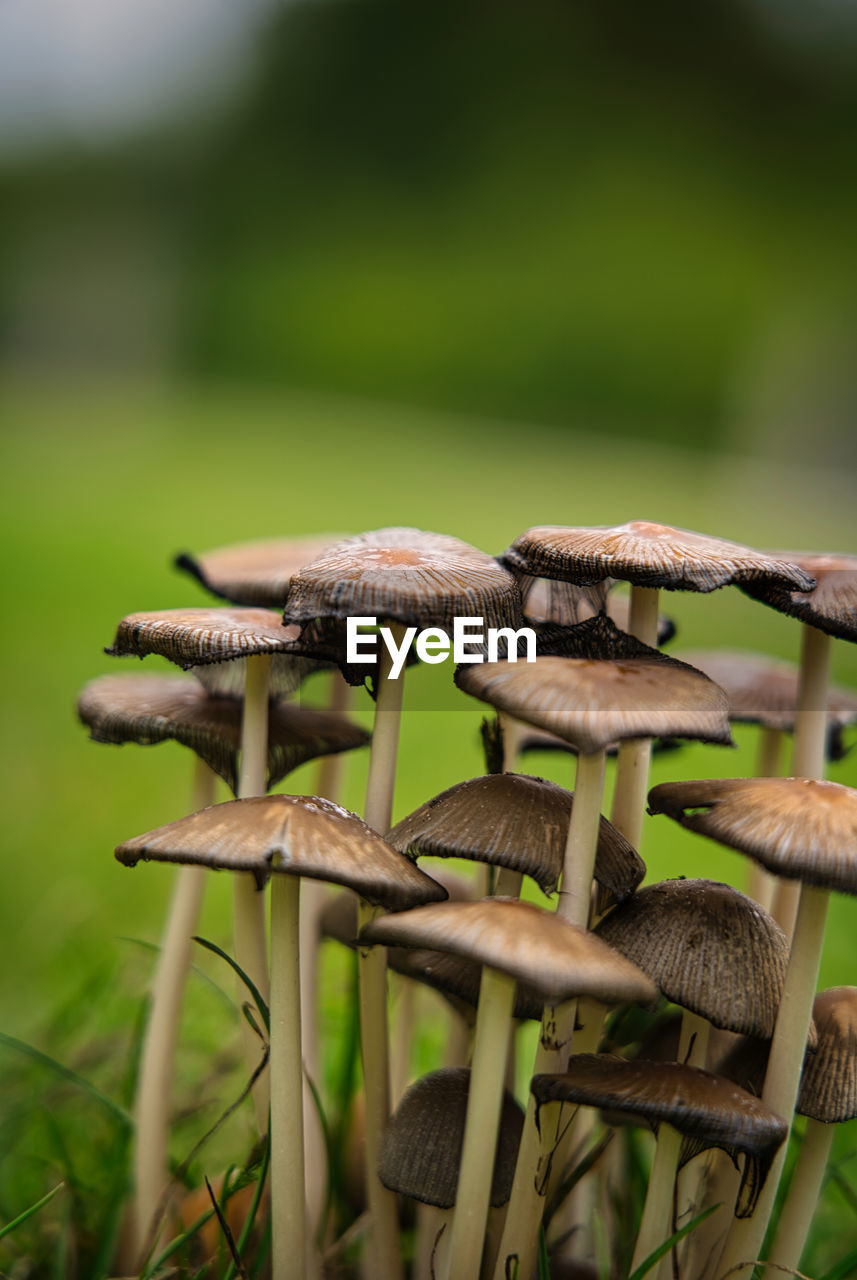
(257, 572)
(830, 606)
(706, 1109)
(299, 835)
(801, 828)
(537, 947)
(648, 554)
(408, 576)
(152, 708)
(828, 1087)
(420, 1151)
(515, 821)
(708, 947)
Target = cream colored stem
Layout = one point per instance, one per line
(657, 1211)
(784, 1065)
(484, 1102)
(693, 1051)
(248, 902)
(288, 1203)
(404, 997)
(152, 1109)
(632, 766)
(761, 885)
(803, 1193)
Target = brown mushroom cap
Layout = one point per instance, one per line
(408, 576)
(801, 828)
(299, 835)
(708, 947)
(828, 1087)
(420, 1150)
(706, 1109)
(152, 708)
(650, 555)
(537, 947)
(830, 606)
(515, 821)
(258, 572)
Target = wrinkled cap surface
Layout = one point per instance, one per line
(152, 708)
(255, 573)
(708, 1110)
(828, 1087)
(830, 606)
(196, 637)
(408, 576)
(708, 947)
(647, 554)
(420, 1151)
(801, 828)
(537, 947)
(514, 821)
(299, 835)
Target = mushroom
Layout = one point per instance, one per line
(258, 572)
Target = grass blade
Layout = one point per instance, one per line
(654, 1258)
(66, 1073)
(28, 1213)
(846, 1267)
(248, 983)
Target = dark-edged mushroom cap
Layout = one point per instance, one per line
(709, 948)
(801, 828)
(257, 572)
(152, 708)
(420, 1150)
(828, 1087)
(831, 605)
(515, 821)
(647, 554)
(555, 958)
(408, 576)
(706, 1109)
(299, 835)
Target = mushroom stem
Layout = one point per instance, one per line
(248, 900)
(484, 1100)
(762, 885)
(372, 969)
(693, 1051)
(784, 1065)
(657, 1211)
(632, 766)
(803, 1193)
(288, 1206)
(151, 1113)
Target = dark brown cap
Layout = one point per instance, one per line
(650, 555)
(830, 606)
(258, 572)
(514, 821)
(299, 835)
(407, 576)
(152, 708)
(420, 1150)
(708, 1110)
(708, 947)
(801, 828)
(828, 1087)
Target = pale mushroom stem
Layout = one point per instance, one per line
(288, 1203)
(484, 1102)
(632, 766)
(527, 1201)
(809, 745)
(784, 1067)
(802, 1198)
(372, 969)
(761, 884)
(152, 1109)
(248, 901)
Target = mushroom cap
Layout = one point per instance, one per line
(152, 708)
(709, 948)
(647, 554)
(555, 958)
(830, 606)
(828, 1087)
(257, 572)
(708, 1110)
(420, 1150)
(298, 835)
(408, 576)
(801, 828)
(549, 600)
(514, 821)
(594, 702)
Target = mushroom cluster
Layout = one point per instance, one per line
(510, 1167)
